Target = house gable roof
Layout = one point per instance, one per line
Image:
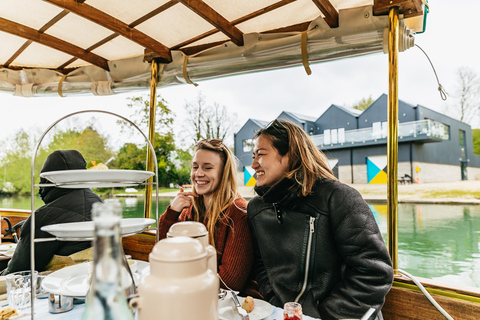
(298, 117)
(255, 122)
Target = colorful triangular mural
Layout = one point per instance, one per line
(377, 169)
(248, 176)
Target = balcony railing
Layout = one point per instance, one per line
(423, 128)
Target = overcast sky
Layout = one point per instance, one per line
(450, 40)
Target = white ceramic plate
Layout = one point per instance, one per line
(72, 281)
(262, 309)
(96, 178)
(80, 230)
(8, 249)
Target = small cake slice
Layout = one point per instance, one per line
(248, 304)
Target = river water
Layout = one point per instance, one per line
(434, 241)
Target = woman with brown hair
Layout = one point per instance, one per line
(215, 201)
(316, 240)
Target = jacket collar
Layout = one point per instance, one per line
(283, 191)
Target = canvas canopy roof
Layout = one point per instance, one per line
(102, 47)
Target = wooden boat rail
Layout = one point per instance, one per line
(15, 216)
(405, 301)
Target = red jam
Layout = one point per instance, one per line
(292, 311)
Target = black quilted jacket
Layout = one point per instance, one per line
(61, 206)
(324, 250)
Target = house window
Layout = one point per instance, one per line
(334, 136)
(439, 129)
(379, 130)
(376, 130)
(326, 137)
(341, 135)
(384, 129)
(247, 145)
(461, 138)
(446, 132)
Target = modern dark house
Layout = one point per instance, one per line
(432, 147)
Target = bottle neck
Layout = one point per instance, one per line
(106, 299)
(107, 257)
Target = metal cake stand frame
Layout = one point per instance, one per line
(33, 185)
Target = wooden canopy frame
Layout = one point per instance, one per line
(154, 48)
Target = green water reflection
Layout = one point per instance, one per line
(132, 206)
(437, 241)
(434, 241)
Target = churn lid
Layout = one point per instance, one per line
(190, 229)
(178, 249)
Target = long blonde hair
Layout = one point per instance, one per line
(306, 162)
(225, 194)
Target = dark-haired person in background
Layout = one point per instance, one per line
(61, 206)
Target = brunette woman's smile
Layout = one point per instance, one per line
(270, 167)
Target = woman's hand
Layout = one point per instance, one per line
(182, 200)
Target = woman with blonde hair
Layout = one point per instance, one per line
(215, 202)
(316, 240)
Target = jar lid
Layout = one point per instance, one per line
(178, 249)
(190, 229)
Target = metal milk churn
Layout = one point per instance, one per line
(180, 284)
(195, 230)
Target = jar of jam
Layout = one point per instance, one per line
(292, 311)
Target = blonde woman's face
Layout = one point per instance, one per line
(207, 169)
(268, 164)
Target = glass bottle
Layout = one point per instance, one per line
(106, 298)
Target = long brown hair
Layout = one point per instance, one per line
(225, 194)
(306, 162)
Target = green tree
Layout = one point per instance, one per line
(16, 162)
(93, 145)
(164, 146)
(476, 141)
(164, 117)
(363, 103)
(131, 157)
(169, 168)
(184, 160)
(89, 142)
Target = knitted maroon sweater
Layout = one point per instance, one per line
(233, 242)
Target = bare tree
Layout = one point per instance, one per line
(207, 121)
(218, 124)
(195, 114)
(466, 95)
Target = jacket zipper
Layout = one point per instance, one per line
(307, 263)
(278, 213)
